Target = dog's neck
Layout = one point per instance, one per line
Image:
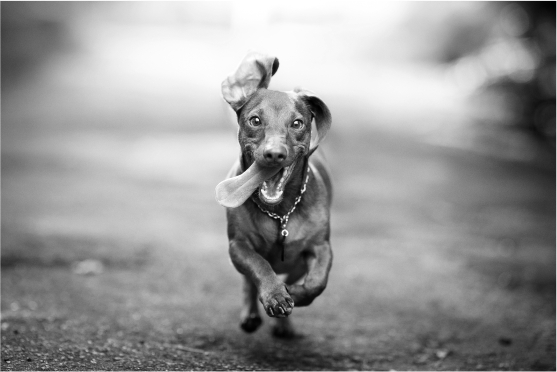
(291, 190)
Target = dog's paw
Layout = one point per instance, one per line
(250, 323)
(277, 302)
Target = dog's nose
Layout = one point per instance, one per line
(275, 154)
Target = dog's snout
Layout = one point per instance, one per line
(275, 154)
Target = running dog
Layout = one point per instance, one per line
(277, 195)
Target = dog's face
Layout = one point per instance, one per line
(274, 131)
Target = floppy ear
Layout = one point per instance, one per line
(321, 115)
(254, 72)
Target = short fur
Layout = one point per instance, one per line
(254, 237)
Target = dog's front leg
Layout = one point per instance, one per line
(318, 261)
(272, 291)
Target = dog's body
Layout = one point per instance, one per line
(278, 195)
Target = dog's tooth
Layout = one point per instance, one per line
(265, 193)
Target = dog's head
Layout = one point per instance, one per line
(275, 128)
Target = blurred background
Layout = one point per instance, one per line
(114, 135)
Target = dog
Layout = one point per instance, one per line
(277, 195)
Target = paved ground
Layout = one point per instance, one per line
(444, 258)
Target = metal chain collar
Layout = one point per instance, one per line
(284, 219)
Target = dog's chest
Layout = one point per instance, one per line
(273, 248)
(306, 226)
(271, 232)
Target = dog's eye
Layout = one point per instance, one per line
(297, 124)
(255, 121)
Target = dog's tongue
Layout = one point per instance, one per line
(234, 191)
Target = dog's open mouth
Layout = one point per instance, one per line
(272, 189)
(269, 182)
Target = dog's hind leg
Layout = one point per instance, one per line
(283, 328)
(250, 318)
